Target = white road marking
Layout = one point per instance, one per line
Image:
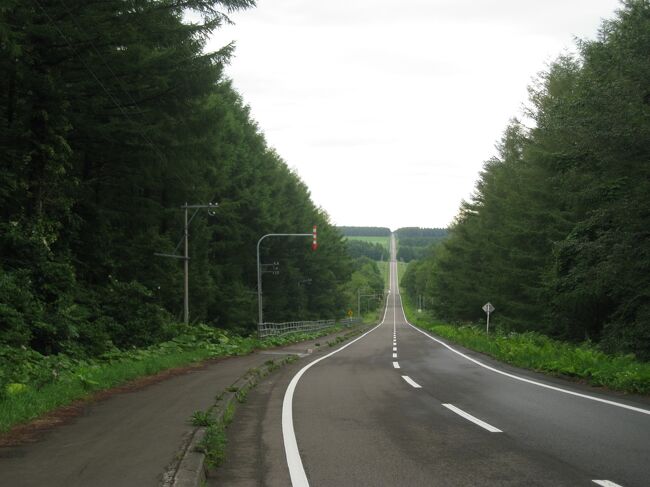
(473, 419)
(394, 349)
(606, 483)
(411, 382)
(529, 381)
(394, 355)
(395, 365)
(294, 462)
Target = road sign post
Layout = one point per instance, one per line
(488, 308)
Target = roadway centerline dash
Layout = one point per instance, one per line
(473, 419)
(395, 365)
(411, 382)
(394, 355)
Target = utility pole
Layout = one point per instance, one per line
(186, 254)
(186, 272)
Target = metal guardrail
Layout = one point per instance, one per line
(278, 329)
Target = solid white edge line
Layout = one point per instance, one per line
(294, 462)
(606, 483)
(529, 381)
(396, 365)
(411, 382)
(473, 419)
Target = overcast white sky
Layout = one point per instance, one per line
(387, 110)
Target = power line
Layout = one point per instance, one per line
(99, 81)
(120, 84)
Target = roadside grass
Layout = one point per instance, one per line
(383, 241)
(543, 354)
(214, 441)
(32, 384)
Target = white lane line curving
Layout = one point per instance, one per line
(411, 382)
(533, 382)
(606, 483)
(294, 462)
(395, 365)
(473, 419)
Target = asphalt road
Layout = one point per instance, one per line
(396, 407)
(130, 438)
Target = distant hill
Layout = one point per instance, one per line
(365, 231)
(412, 232)
(414, 242)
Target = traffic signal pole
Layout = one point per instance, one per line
(314, 246)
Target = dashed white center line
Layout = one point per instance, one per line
(411, 382)
(395, 365)
(394, 349)
(394, 355)
(606, 483)
(473, 419)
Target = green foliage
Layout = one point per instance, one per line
(374, 240)
(420, 233)
(366, 281)
(202, 418)
(361, 248)
(415, 243)
(112, 118)
(555, 234)
(32, 384)
(365, 231)
(213, 444)
(538, 352)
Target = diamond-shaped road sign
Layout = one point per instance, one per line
(488, 308)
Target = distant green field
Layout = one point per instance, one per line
(384, 241)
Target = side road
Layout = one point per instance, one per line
(129, 439)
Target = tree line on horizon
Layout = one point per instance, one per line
(112, 116)
(556, 233)
(364, 231)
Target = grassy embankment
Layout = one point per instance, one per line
(32, 384)
(543, 354)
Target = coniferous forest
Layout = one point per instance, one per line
(112, 116)
(556, 234)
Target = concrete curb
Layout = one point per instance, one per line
(190, 469)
